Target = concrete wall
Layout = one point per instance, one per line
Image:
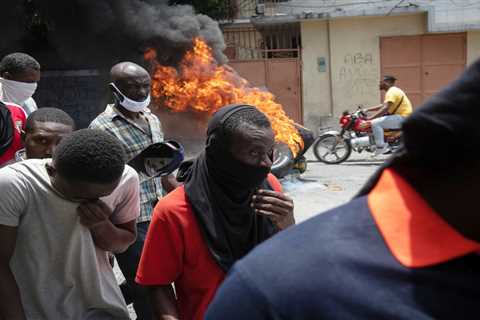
(356, 56)
(354, 62)
(473, 46)
(315, 81)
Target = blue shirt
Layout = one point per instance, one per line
(338, 266)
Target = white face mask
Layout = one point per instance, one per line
(16, 91)
(129, 104)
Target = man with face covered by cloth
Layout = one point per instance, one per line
(19, 75)
(229, 204)
(405, 248)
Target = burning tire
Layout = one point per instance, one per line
(283, 160)
(332, 149)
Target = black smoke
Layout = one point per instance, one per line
(95, 33)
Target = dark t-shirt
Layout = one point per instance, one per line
(338, 266)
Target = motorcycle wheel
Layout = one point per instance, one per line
(332, 149)
(283, 160)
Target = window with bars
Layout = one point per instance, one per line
(266, 42)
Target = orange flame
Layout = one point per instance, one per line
(202, 85)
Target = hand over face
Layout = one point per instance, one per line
(274, 205)
(93, 213)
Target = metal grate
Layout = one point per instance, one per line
(272, 41)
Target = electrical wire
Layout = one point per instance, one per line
(394, 7)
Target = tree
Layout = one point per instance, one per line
(216, 9)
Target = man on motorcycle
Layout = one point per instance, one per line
(389, 115)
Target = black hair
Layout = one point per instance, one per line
(250, 117)
(90, 155)
(49, 115)
(389, 78)
(18, 62)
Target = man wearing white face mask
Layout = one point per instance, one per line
(19, 74)
(130, 120)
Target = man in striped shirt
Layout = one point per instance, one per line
(130, 120)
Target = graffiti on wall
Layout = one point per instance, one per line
(358, 75)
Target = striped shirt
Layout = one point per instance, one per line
(135, 140)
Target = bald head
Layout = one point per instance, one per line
(132, 80)
(126, 70)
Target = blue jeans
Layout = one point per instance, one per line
(386, 122)
(128, 263)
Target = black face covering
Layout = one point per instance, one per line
(6, 128)
(220, 189)
(228, 171)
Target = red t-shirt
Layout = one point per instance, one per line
(175, 252)
(18, 119)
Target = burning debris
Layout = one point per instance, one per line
(201, 84)
(188, 73)
(102, 32)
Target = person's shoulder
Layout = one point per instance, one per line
(310, 256)
(12, 106)
(27, 170)
(129, 182)
(325, 226)
(148, 112)
(396, 90)
(308, 243)
(104, 119)
(174, 206)
(30, 165)
(16, 110)
(129, 175)
(175, 201)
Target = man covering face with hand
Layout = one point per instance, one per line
(58, 219)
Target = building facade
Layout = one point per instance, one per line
(345, 46)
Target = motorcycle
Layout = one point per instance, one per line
(333, 147)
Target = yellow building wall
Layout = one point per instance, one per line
(356, 56)
(354, 61)
(315, 80)
(473, 46)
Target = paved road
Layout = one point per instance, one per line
(324, 187)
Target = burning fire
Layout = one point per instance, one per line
(202, 85)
